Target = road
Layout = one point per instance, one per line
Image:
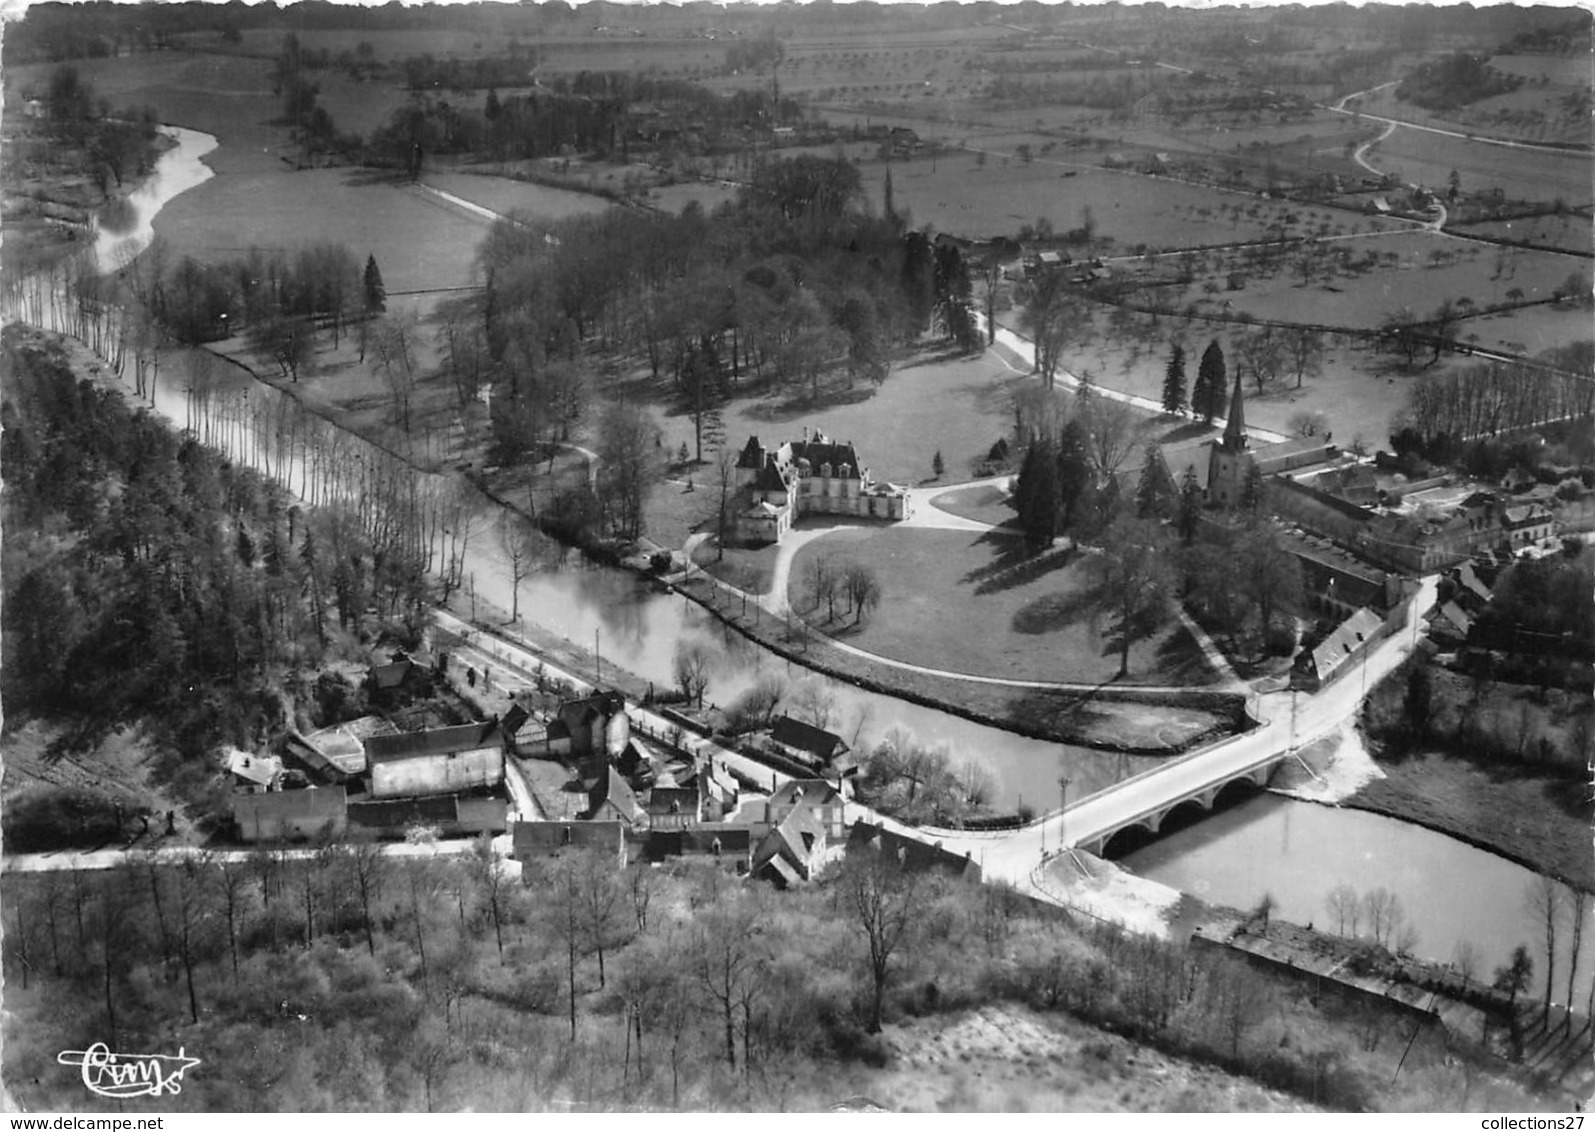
(1014, 857)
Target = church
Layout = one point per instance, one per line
(1230, 459)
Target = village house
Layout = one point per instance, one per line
(912, 855)
(791, 851)
(814, 795)
(591, 727)
(445, 760)
(730, 846)
(290, 815)
(532, 841)
(254, 774)
(611, 798)
(811, 746)
(1350, 640)
(816, 476)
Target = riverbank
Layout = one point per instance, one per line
(1105, 718)
(1540, 822)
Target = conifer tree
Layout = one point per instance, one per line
(1190, 504)
(1174, 382)
(1207, 395)
(376, 295)
(1155, 491)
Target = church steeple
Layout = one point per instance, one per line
(1235, 427)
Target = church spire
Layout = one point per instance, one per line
(1235, 427)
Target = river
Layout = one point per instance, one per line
(1298, 851)
(125, 230)
(1293, 850)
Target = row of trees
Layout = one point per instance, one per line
(1445, 409)
(828, 579)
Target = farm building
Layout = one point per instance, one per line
(450, 815)
(446, 760)
(814, 795)
(791, 852)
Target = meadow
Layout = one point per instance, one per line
(1522, 174)
(1571, 231)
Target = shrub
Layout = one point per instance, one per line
(60, 818)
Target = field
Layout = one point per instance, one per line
(419, 242)
(1523, 174)
(1410, 276)
(945, 605)
(1553, 112)
(1572, 231)
(502, 194)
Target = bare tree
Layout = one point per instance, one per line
(691, 664)
(1579, 910)
(520, 546)
(1110, 432)
(730, 957)
(1543, 902)
(883, 897)
(863, 589)
(1346, 906)
(490, 885)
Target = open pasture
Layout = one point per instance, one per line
(1555, 112)
(1425, 158)
(419, 243)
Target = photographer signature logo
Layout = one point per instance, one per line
(124, 1075)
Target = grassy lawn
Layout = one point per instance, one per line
(986, 503)
(1543, 821)
(946, 605)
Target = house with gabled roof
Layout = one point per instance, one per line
(291, 815)
(815, 795)
(807, 742)
(254, 774)
(611, 798)
(789, 853)
(590, 727)
(728, 845)
(1349, 640)
(815, 475)
(914, 855)
(443, 760)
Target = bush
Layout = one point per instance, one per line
(61, 818)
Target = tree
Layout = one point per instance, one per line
(628, 465)
(520, 547)
(1398, 335)
(1050, 316)
(1543, 902)
(1260, 351)
(1109, 425)
(1308, 422)
(1154, 492)
(374, 294)
(1190, 505)
(1174, 381)
(863, 589)
(397, 342)
(822, 579)
(1036, 495)
(1207, 395)
(691, 664)
(1304, 351)
(1134, 581)
(730, 958)
(1417, 705)
(1346, 906)
(286, 340)
(937, 465)
(884, 899)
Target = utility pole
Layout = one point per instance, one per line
(1063, 800)
(598, 661)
